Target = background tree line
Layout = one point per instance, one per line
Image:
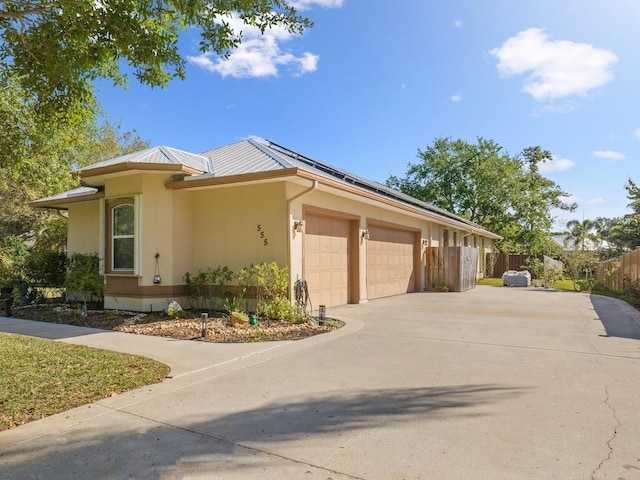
(509, 196)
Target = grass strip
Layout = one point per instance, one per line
(43, 377)
(562, 284)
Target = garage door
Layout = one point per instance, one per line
(326, 260)
(390, 262)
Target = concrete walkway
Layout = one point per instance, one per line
(494, 383)
(183, 356)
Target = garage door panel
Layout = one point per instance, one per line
(390, 262)
(326, 260)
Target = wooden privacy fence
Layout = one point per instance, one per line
(498, 263)
(453, 267)
(611, 272)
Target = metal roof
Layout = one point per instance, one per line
(258, 155)
(159, 155)
(76, 192)
(246, 156)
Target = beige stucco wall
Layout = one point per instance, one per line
(166, 230)
(182, 235)
(240, 225)
(431, 231)
(84, 227)
(164, 227)
(165, 224)
(123, 185)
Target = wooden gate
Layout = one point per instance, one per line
(452, 267)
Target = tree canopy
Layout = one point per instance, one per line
(56, 48)
(39, 156)
(624, 233)
(485, 184)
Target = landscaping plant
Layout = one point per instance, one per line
(83, 277)
(272, 292)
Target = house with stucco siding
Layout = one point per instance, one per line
(155, 214)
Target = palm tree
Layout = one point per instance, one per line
(579, 232)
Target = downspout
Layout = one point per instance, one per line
(307, 191)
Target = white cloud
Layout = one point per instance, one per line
(307, 4)
(555, 69)
(259, 55)
(609, 155)
(569, 200)
(457, 23)
(556, 165)
(456, 98)
(636, 133)
(596, 201)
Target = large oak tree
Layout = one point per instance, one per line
(56, 48)
(485, 184)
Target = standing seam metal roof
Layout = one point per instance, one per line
(160, 155)
(246, 156)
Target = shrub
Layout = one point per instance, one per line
(196, 287)
(83, 276)
(13, 253)
(578, 265)
(283, 309)
(273, 294)
(631, 288)
(46, 268)
(219, 278)
(246, 280)
(272, 281)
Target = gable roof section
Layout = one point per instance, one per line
(156, 158)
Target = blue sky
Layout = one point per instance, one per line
(374, 81)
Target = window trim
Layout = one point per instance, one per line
(115, 237)
(109, 206)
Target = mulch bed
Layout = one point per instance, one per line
(219, 329)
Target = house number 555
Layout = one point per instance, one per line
(263, 235)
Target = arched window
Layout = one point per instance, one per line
(123, 237)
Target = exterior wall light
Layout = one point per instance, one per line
(365, 234)
(298, 226)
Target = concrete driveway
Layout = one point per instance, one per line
(494, 383)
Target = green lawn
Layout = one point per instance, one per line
(42, 377)
(562, 284)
